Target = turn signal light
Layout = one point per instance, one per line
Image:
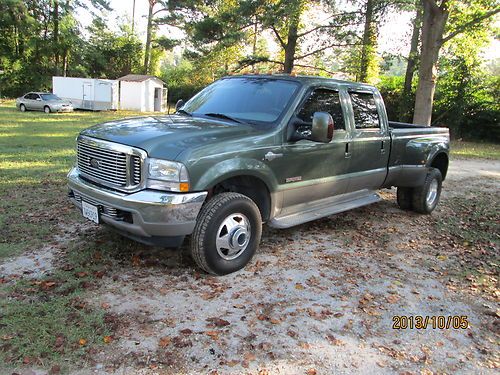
(184, 186)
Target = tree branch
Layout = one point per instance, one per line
(283, 45)
(324, 48)
(328, 26)
(472, 22)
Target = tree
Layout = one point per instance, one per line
(406, 103)
(153, 22)
(368, 70)
(435, 18)
(111, 54)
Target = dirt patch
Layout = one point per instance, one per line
(37, 263)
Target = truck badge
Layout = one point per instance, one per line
(94, 163)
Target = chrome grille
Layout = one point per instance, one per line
(135, 164)
(110, 164)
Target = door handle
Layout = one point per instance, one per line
(382, 147)
(347, 153)
(271, 156)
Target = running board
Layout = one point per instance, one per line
(325, 207)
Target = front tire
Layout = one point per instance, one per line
(426, 197)
(46, 109)
(22, 108)
(227, 234)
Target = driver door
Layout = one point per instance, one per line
(36, 103)
(314, 170)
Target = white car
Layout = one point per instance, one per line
(43, 101)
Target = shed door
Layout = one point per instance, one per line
(158, 99)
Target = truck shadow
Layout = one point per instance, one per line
(128, 253)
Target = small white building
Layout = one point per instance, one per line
(142, 93)
(87, 93)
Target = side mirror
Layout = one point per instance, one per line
(322, 127)
(180, 103)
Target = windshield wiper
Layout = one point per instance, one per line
(223, 116)
(183, 112)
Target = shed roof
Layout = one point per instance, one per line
(138, 78)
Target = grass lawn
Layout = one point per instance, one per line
(38, 150)
(43, 322)
(475, 150)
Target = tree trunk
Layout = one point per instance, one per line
(413, 56)
(368, 70)
(149, 32)
(55, 20)
(406, 102)
(290, 46)
(434, 21)
(65, 62)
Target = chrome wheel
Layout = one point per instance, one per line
(233, 236)
(22, 108)
(432, 193)
(46, 110)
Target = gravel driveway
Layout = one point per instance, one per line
(317, 299)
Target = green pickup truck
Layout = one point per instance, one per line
(249, 150)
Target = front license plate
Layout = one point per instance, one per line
(90, 212)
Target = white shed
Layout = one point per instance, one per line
(142, 93)
(87, 93)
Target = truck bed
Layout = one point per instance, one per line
(412, 146)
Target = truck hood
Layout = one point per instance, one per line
(165, 137)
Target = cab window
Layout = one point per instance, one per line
(323, 100)
(365, 110)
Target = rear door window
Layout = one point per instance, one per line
(365, 110)
(323, 100)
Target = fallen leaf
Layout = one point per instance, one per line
(232, 363)
(56, 369)
(213, 334)
(82, 342)
(47, 284)
(186, 331)
(393, 298)
(105, 305)
(136, 261)
(217, 322)
(249, 357)
(299, 286)
(164, 341)
(107, 339)
(311, 371)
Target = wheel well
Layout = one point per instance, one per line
(440, 162)
(253, 187)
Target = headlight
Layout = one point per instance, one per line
(167, 175)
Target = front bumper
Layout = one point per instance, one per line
(64, 109)
(144, 214)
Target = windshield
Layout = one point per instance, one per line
(49, 97)
(261, 100)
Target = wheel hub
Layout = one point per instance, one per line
(432, 193)
(233, 236)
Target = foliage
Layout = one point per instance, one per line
(42, 38)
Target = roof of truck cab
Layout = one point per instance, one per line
(310, 80)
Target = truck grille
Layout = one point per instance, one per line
(110, 164)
